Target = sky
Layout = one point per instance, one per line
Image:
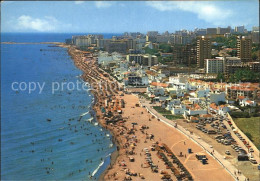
(125, 16)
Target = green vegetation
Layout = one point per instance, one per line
(165, 48)
(244, 75)
(239, 114)
(230, 42)
(173, 117)
(161, 110)
(161, 60)
(145, 96)
(255, 47)
(220, 77)
(150, 51)
(233, 53)
(250, 126)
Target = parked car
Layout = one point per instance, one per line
(253, 161)
(227, 152)
(251, 150)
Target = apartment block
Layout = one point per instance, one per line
(214, 66)
(244, 48)
(203, 51)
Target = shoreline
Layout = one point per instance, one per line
(114, 155)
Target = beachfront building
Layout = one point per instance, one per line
(85, 40)
(194, 110)
(221, 110)
(177, 109)
(104, 58)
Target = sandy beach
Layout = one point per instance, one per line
(140, 136)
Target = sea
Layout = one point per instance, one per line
(46, 134)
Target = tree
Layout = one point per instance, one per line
(150, 51)
(238, 75)
(232, 78)
(254, 56)
(166, 48)
(220, 77)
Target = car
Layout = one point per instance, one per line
(243, 151)
(235, 147)
(227, 152)
(218, 136)
(251, 150)
(253, 161)
(219, 132)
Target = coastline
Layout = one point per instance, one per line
(171, 136)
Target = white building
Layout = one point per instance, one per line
(178, 110)
(192, 112)
(246, 102)
(104, 58)
(178, 79)
(214, 66)
(203, 93)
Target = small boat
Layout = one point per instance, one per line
(95, 124)
(49, 120)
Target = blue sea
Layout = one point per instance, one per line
(47, 135)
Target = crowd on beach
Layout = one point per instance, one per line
(140, 153)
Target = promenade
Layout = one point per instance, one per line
(208, 148)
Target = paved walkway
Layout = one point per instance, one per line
(226, 164)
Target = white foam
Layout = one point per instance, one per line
(90, 119)
(83, 114)
(95, 171)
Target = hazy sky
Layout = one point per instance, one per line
(122, 16)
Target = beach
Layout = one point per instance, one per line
(138, 132)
